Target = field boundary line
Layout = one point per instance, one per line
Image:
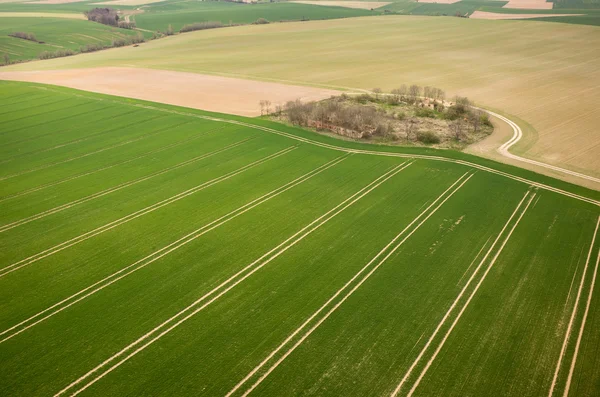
(230, 283)
(460, 295)
(103, 168)
(573, 314)
(118, 187)
(153, 207)
(154, 256)
(460, 313)
(442, 197)
(380, 153)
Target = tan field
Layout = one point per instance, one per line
(544, 74)
(497, 16)
(362, 5)
(529, 4)
(197, 91)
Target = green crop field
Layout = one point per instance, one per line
(159, 16)
(55, 33)
(147, 249)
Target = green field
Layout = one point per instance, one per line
(153, 250)
(56, 33)
(160, 15)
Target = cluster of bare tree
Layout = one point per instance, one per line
(201, 26)
(106, 16)
(353, 120)
(363, 116)
(25, 36)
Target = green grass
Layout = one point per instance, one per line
(160, 16)
(465, 7)
(61, 147)
(56, 33)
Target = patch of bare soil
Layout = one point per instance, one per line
(497, 16)
(361, 5)
(529, 4)
(212, 93)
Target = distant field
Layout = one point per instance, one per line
(544, 74)
(148, 249)
(177, 14)
(56, 33)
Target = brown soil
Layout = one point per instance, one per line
(212, 93)
(529, 4)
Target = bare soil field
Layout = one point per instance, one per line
(529, 4)
(498, 16)
(212, 93)
(41, 15)
(361, 5)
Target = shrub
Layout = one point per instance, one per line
(57, 54)
(24, 36)
(424, 112)
(428, 137)
(485, 120)
(139, 38)
(126, 25)
(201, 26)
(91, 48)
(261, 21)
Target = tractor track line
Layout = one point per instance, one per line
(254, 266)
(82, 237)
(148, 259)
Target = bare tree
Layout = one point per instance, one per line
(414, 92)
(457, 128)
(6, 59)
(410, 127)
(377, 91)
(440, 94)
(403, 90)
(475, 119)
(428, 92)
(262, 106)
(267, 106)
(170, 30)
